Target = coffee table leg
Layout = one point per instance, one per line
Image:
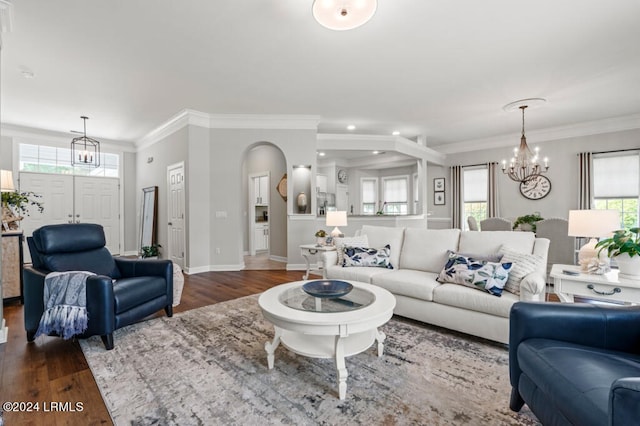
(380, 336)
(270, 347)
(341, 368)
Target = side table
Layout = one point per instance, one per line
(606, 287)
(12, 261)
(309, 251)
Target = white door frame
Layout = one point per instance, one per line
(171, 168)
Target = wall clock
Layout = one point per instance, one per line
(342, 176)
(536, 188)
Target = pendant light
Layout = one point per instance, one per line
(85, 151)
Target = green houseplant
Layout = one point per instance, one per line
(16, 204)
(150, 251)
(321, 237)
(624, 246)
(527, 222)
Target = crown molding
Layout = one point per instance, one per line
(596, 127)
(6, 16)
(191, 117)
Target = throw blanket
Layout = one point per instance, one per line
(65, 299)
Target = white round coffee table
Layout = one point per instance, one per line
(327, 328)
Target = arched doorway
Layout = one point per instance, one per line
(265, 229)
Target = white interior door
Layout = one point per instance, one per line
(56, 195)
(342, 197)
(176, 205)
(97, 200)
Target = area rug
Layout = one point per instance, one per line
(208, 366)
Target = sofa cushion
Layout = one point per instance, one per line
(470, 299)
(479, 274)
(336, 272)
(576, 377)
(426, 249)
(523, 265)
(484, 243)
(408, 282)
(365, 256)
(380, 236)
(341, 242)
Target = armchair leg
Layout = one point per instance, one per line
(169, 310)
(31, 335)
(107, 339)
(516, 401)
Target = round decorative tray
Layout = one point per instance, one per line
(327, 288)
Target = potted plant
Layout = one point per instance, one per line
(15, 204)
(150, 252)
(624, 246)
(527, 222)
(321, 237)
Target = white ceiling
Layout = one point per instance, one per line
(438, 68)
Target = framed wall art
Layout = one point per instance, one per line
(438, 184)
(438, 198)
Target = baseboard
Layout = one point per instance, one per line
(214, 268)
(4, 332)
(278, 258)
(298, 266)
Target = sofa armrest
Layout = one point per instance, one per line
(329, 258)
(147, 268)
(616, 328)
(624, 401)
(533, 288)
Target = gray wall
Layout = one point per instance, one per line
(170, 150)
(6, 153)
(131, 241)
(563, 173)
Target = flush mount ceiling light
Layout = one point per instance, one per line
(340, 15)
(84, 150)
(525, 164)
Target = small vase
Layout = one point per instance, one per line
(629, 266)
(302, 202)
(321, 241)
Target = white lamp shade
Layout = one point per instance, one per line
(593, 223)
(6, 181)
(337, 218)
(343, 15)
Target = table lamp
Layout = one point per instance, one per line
(336, 219)
(592, 224)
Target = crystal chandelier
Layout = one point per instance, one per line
(84, 150)
(524, 165)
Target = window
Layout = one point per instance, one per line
(369, 195)
(616, 185)
(475, 183)
(396, 193)
(51, 159)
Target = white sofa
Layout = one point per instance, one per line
(418, 256)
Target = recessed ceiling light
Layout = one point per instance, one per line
(321, 154)
(376, 152)
(395, 133)
(351, 127)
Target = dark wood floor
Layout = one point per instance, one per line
(54, 370)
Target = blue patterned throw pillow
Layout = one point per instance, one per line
(363, 256)
(471, 272)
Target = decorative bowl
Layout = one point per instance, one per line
(327, 288)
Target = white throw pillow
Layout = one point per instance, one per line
(523, 265)
(340, 242)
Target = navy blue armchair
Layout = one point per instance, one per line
(576, 364)
(123, 291)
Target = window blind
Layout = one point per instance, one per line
(395, 190)
(616, 176)
(475, 185)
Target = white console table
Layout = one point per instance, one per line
(606, 287)
(309, 251)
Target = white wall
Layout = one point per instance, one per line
(563, 172)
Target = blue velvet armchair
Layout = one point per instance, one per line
(576, 364)
(122, 292)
